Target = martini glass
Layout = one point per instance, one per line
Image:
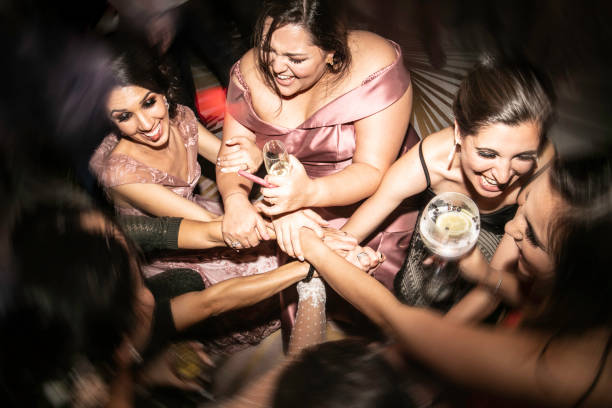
(449, 227)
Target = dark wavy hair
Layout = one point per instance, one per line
(580, 246)
(323, 19)
(504, 91)
(135, 63)
(343, 373)
(72, 295)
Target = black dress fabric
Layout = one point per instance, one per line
(413, 284)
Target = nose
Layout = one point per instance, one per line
(503, 172)
(145, 122)
(514, 226)
(278, 65)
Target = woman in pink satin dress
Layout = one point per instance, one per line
(340, 101)
(148, 166)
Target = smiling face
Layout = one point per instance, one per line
(495, 157)
(294, 61)
(530, 230)
(140, 114)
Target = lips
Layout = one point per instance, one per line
(155, 133)
(491, 185)
(284, 80)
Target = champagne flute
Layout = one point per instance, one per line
(449, 227)
(276, 158)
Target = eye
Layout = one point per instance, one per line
(486, 154)
(526, 157)
(297, 61)
(531, 237)
(123, 117)
(149, 102)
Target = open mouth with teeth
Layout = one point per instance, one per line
(155, 133)
(284, 80)
(490, 184)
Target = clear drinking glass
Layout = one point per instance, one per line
(276, 158)
(449, 227)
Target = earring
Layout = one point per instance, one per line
(451, 154)
(166, 103)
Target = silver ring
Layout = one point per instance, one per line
(361, 254)
(235, 244)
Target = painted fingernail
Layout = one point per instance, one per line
(301, 258)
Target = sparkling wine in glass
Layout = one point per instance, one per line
(276, 158)
(449, 227)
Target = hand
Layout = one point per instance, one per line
(183, 365)
(241, 154)
(365, 258)
(294, 190)
(339, 241)
(242, 226)
(287, 228)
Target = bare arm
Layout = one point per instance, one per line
(241, 223)
(235, 293)
(495, 360)
(157, 200)
(404, 178)
(378, 140)
(200, 235)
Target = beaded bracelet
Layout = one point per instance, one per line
(310, 274)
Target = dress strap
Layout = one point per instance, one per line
(424, 165)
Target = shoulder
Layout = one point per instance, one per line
(436, 148)
(369, 53)
(246, 73)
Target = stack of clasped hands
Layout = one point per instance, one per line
(284, 206)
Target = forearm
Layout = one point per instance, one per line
(230, 184)
(370, 215)
(152, 233)
(354, 183)
(496, 277)
(360, 289)
(200, 235)
(235, 293)
(475, 306)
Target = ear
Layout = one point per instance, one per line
(457, 134)
(329, 58)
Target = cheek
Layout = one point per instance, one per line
(127, 128)
(475, 163)
(522, 167)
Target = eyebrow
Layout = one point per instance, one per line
(141, 102)
(528, 152)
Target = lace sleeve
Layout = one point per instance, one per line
(310, 322)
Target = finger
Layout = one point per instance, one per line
(237, 140)
(279, 237)
(429, 260)
(229, 169)
(262, 230)
(316, 217)
(237, 163)
(272, 210)
(286, 227)
(295, 242)
(309, 223)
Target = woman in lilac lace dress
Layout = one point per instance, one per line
(148, 166)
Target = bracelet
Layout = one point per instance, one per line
(498, 285)
(310, 274)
